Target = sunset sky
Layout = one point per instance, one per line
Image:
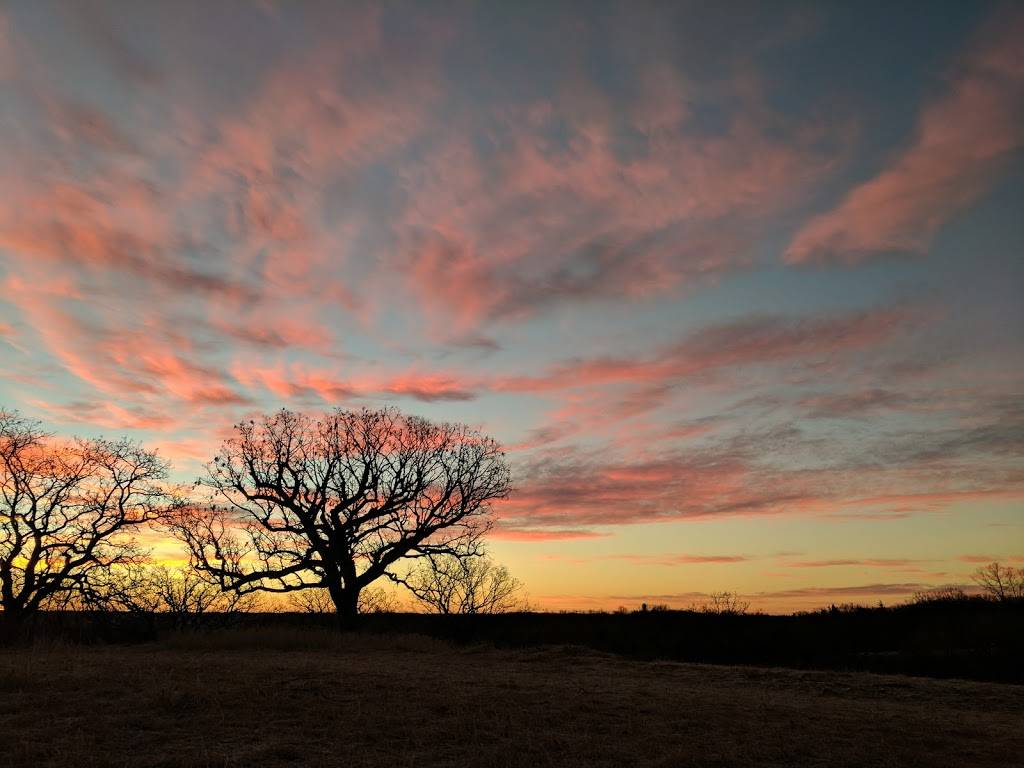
(739, 287)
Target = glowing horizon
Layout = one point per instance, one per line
(739, 289)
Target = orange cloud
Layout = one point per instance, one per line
(682, 559)
(870, 562)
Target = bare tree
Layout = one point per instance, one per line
(181, 593)
(189, 598)
(335, 502)
(314, 600)
(317, 600)
(473, 584)
(125, 587)
(1000, 582)
(68, 509)
(725, 603)
(374, 600)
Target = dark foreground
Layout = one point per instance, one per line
(280, 697)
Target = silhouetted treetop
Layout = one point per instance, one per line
(465, 585)
(67, 509)
(334, 501)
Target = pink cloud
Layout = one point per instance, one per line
(294, 380)
(622, 417)
(138, 314)
(954, 158)
(576, 490)
(426, 387)
(682, 559)
(777, 470)
(536, 224)
(742, 342)
(106, 414)
(106, 231)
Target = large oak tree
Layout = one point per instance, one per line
(337, 501)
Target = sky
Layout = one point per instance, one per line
(738, 286)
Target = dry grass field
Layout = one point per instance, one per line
(282, 698)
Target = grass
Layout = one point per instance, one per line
(283, 697)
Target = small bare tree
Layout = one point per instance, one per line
(68, 510)
(725, 604)
(189, 598)
(318, 601)
(375, 600)
(469, 584)
(125, 588)
(335, 502)
(1000, 582)
(181, 593)
(314, 600)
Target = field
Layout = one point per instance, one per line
(283, 696)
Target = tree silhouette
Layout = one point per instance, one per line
(335, 502)
(318, 601)
(1000, 582)
(452, 584)
(68, 509)
(725, 603)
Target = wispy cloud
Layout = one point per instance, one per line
(870, 562)
(746, 341)
(985, 559)
(959, 148)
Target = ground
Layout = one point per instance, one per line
(285, 698)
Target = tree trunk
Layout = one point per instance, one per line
(13, 624)
(14, 613)
(346, 606)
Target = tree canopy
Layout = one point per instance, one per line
(68, 510)
(335, 501)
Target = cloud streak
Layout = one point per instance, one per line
(960, 143)
(746, 341)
